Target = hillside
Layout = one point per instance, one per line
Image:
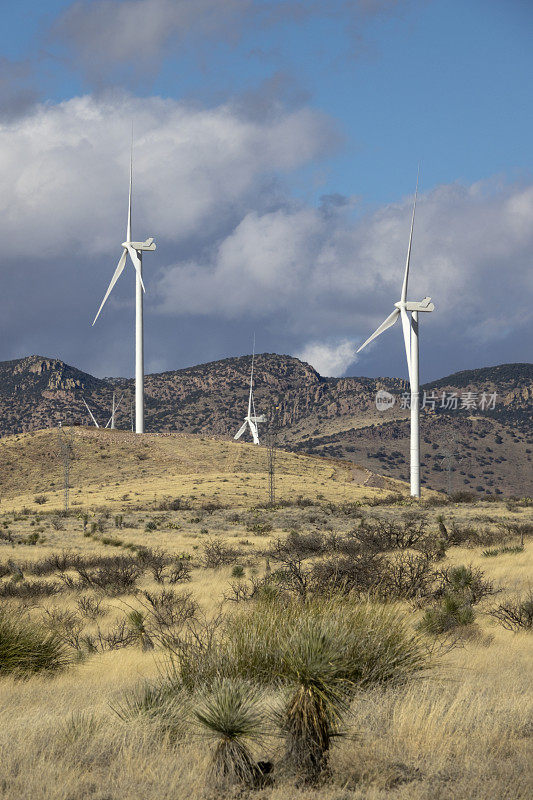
(121, 469)
(485, 448)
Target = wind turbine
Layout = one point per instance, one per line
(114, 408)
(251, 420)
(135, 250)
(402, 309)
(90, 413)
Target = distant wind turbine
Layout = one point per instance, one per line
(410, 337)
(135, 250)
(251, 420)
(114, 408)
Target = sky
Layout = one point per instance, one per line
(276, 148)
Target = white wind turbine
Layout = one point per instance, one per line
(135, 250)
(114, 408)
(251, 420)
(410, 336)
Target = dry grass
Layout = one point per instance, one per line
(464, 731)
(110, 465)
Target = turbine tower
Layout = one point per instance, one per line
(135, 250)
(251, 420)
(410, 337)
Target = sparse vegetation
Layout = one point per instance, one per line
(330, 592)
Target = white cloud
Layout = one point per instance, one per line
(326, 274)
(233, 246)
(330, 360)
(65, 170)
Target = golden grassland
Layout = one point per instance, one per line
(462, 731)
(121, 470)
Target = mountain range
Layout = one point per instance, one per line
(475, 425)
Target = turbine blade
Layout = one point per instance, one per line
(406, 275)
(136, 263)
(391, 319)
(253, 430)
(406, 325)
(91, 413)
(240, 431)
(114, 279)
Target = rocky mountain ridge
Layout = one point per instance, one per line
(325, 416)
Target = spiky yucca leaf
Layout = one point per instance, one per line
(26, 647)
(232, 717)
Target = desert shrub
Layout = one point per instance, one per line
(26, 647)
(515, 614)
(40, 499)
(180, 571)
(462, 581)
(167, 614)
(65, 625)
(407, 576)
(463, 497)
(57, 523)
(27, 590)
(231, 716)
(115, 575)
(174, 504)
(237, 571)
(342, 574)
(154, 560)
(55, 562)
(218, 554)
(255, 642)
(451, 612)
(91, 607)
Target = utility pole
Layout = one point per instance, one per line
(67, 452)
(271, 450)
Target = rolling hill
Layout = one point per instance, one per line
(484, 449)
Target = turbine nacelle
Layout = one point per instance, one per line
(422, 305)
(149, 244)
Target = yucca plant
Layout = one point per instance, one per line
(232, 717)
(315, 666)
(137, 624)
(26, 647)
(452, 612)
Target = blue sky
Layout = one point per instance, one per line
(384, 85)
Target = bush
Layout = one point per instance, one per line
(115, 575)
(40, 499)
(23, 590)
(255, 643)
(26, 647)
(516, 614)
(218, 554)
(452, 612)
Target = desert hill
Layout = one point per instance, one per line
(482, 448)
(120, 469)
